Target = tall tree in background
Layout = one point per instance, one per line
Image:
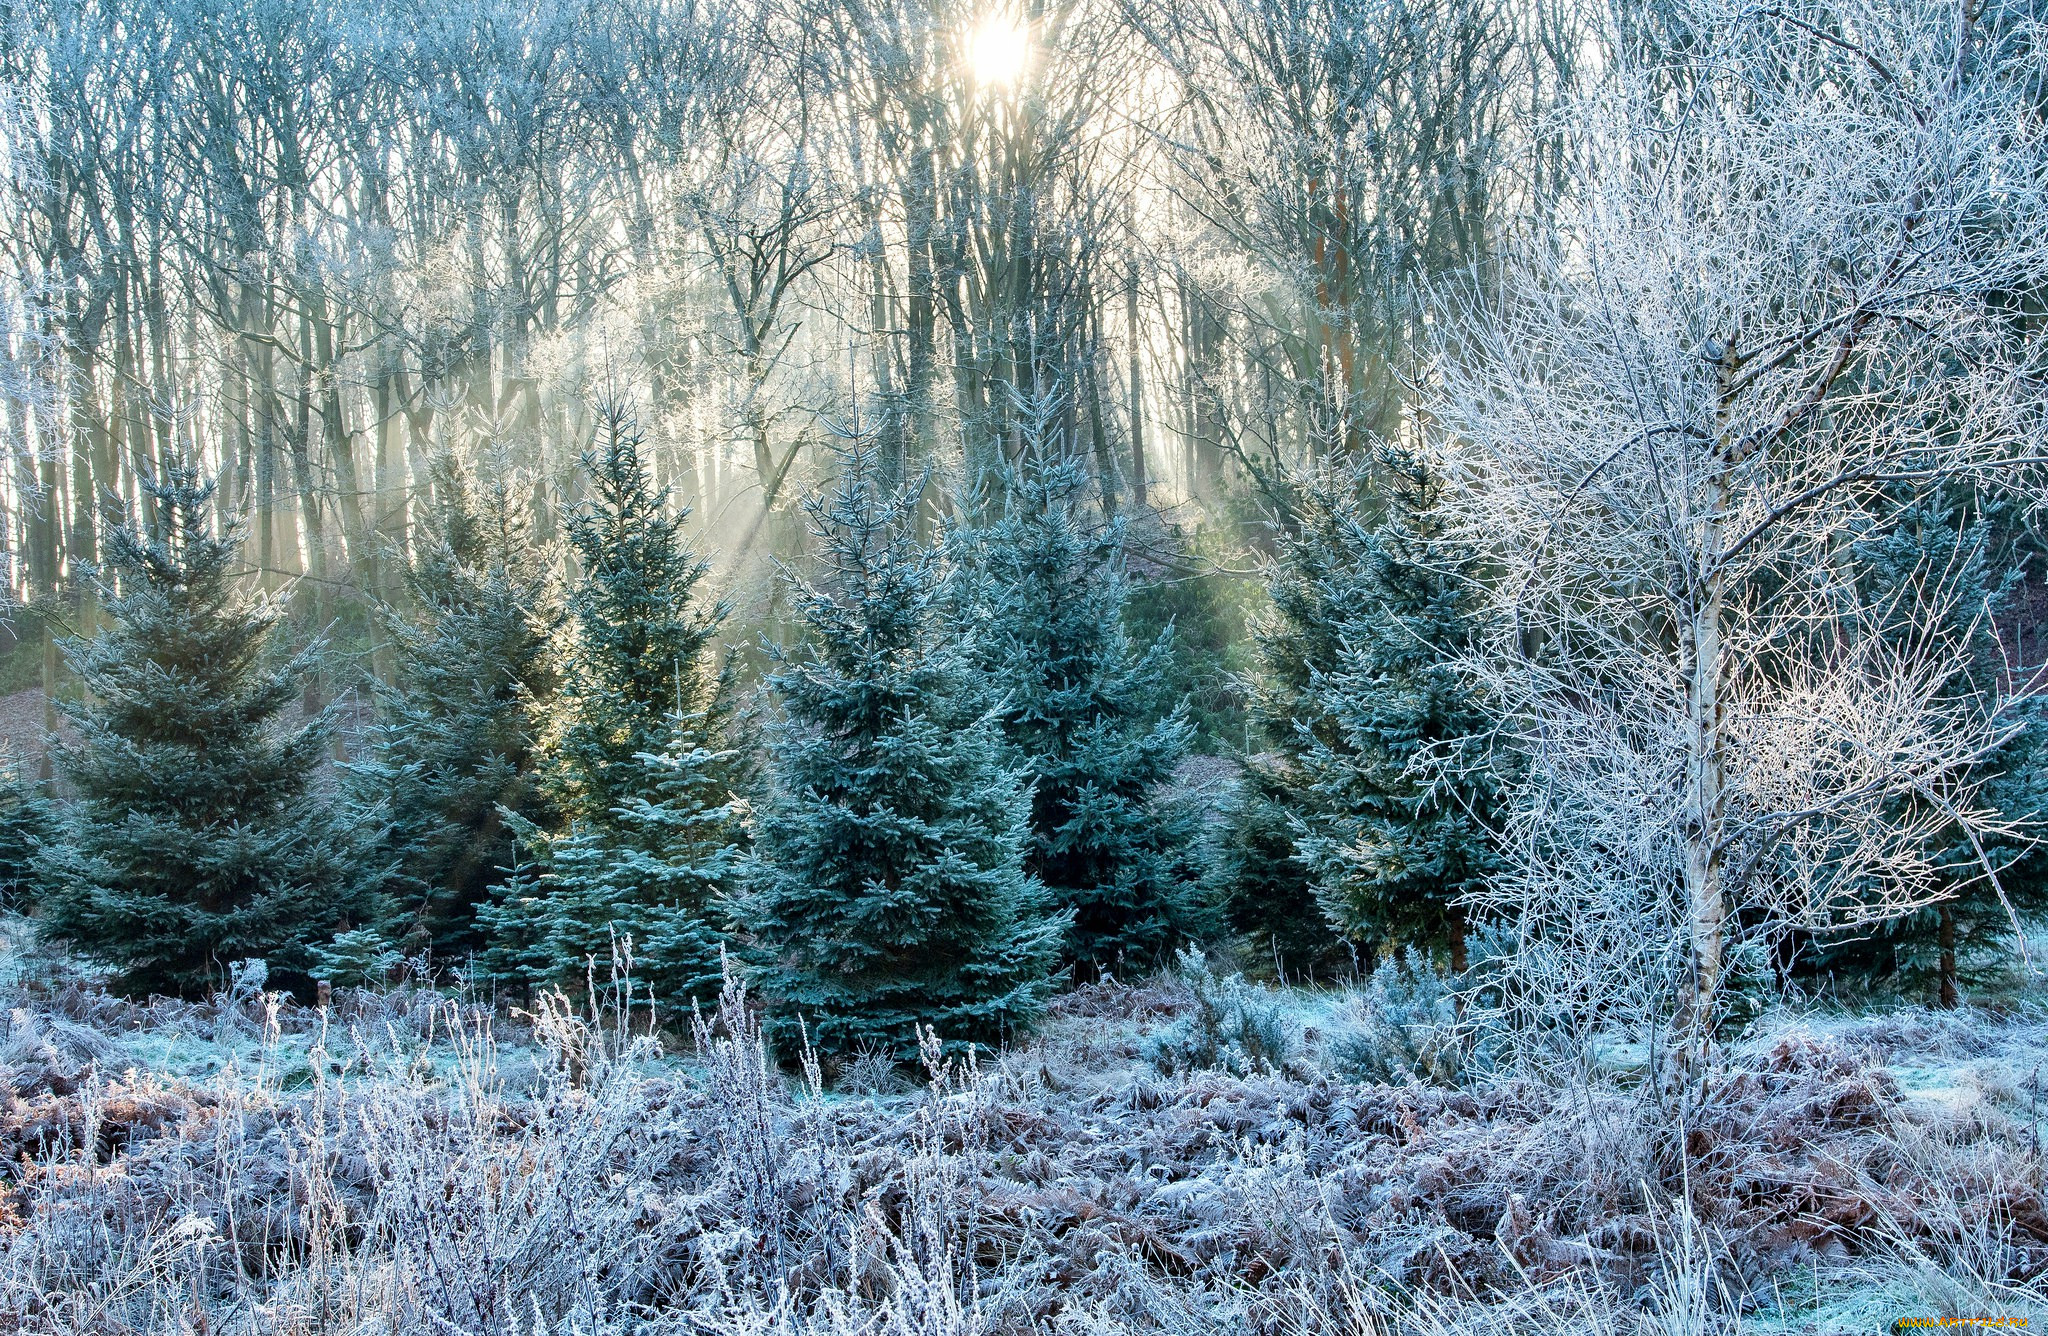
(456, 746)
(197, 837)
(1080, 708)
(635, 768)
(888, 888)
(1350, 151)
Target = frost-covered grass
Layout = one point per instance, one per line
(1190, 1155)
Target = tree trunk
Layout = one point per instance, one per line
(358, 546)
(1098, 430)
(46, 770)
(1706, 799)
(1950, 995)
(922, 314)
(1137, 355)
(894, 408)
(1705, 894)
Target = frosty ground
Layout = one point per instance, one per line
(1188, 1154)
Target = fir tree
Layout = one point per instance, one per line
(1079, 707)
(1398, 793)
(652, 879)
(196, 838)
(456, 746)
(644, 844)
(25, 820)
(1256, 877)
(358, 958)
(1191, 589)
(1259, 877)
(888, 889)
(1358, 689)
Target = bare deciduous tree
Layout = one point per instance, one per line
(1777, 297)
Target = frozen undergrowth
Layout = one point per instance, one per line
(405, 1164)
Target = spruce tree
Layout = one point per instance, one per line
(455, 749)
(25, 819)
(1260, 884)
(197, 836)
(887, 888)
(1397, 793)
(1258, 874)
(1080, 710)
(645, 834)
(1332, 839)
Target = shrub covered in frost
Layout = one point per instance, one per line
(1403, 1028)
(1233, 1026)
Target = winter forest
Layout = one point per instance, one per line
(980, 667)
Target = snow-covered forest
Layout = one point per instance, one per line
(868, 667)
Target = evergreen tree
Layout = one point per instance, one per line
(358, 958)
(1935, 950)
(646, 830)
(1187, 586)
(1079, 708)
(456, 745)
(1259, 877)
(1392, 850)
(1332, 839)
(888, 888)
(1255, 876)
(654, 874)
(196, 837)
(25, 819)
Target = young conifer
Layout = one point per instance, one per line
(457, 740)
(888, 888)
(25, 820)
(646, 831)
(1080, 708)
(1398, 791)
(197, 836)
(1367, 820)
(1257, 872)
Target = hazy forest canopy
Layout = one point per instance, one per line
(1400, 646)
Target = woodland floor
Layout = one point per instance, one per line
(405, 1163)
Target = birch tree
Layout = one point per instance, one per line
(1782, 286)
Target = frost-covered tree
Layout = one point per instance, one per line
(888, 888)
(1780, 287)
(457, 742)
(1397, 790)
(197, 836)
(1992, 885)
(1080, 708)
(635, 769)
(1365, 825)
(1260, 884)
(1352, 151)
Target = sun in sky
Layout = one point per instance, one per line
(998, 50)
